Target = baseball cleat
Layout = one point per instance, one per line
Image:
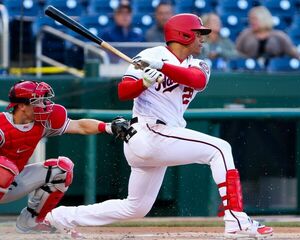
(71, 232)
(27, 224)
(255, 231)
(39, 228)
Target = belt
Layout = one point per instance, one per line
(136, 120)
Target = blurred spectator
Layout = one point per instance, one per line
(216, 46)
(261, 41)
(163, 12)
(122, 30)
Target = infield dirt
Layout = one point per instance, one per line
(206, 229)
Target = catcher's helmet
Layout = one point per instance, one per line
(180, 27)
(37, 94)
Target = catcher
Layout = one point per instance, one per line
(33, 116)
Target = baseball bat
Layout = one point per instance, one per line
(77, 27)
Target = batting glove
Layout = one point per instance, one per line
(142, 63)
(150, 76)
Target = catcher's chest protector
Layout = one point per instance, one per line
(16, 145)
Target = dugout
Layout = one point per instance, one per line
(266, 148)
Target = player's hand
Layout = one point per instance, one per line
(150, 76)
(142, 63)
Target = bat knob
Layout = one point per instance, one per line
(161, 78)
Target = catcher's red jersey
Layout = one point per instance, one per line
(17, 142)
(18, 145)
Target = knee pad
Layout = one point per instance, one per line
(58, 179)
(233, 200)
(60, 172)
(8, 171)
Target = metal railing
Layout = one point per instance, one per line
(4, 37)
(106, 57)
(87, 47)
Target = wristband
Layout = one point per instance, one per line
(105, 127)
(101, 127)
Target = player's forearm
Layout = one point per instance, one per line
(191, 77)
(129, 88)
(86, 127)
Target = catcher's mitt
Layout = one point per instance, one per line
(121, 128)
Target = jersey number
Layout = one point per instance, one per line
(187, 95)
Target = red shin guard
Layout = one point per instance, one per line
(234, 194)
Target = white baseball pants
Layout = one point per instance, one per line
(31, 178)
(149, 153)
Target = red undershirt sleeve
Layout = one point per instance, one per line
(192, 76)
(130, 88)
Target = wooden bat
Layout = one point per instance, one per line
(77, 27)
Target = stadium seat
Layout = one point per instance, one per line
(27, 11)
(142, 21)
(228, 32)
(240, 7)
(42, 21)
(280, 8)
(296, 20)
(194, 6)
(203, 6)
(217, 64)
(232, 24)
(294, 31)
(95, 23)
(294, 34)
(102, 6)
(283, 64)
(248, 64)
(281, 23)
(53, 47)
(69, 7)
(184, 6)
(144, 6)
(30, 8)
(73, 54)
(282, 12)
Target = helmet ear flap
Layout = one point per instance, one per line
(182, 37)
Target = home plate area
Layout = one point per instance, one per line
(159, 230)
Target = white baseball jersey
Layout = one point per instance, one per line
(168, 100)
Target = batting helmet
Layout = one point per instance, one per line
(37, 94)
(180, 27)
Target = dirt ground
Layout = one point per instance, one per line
(7, 232)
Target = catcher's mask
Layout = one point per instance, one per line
(37, 94)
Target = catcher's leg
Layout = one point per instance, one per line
(144, 185)
(58, 178)
(8, 171)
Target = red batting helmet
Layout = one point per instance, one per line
(37, 94)
(180, 27)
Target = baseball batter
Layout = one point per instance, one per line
(162, 91)
(33, 117)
